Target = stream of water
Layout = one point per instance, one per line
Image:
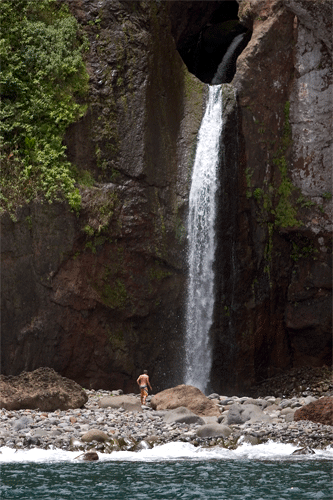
(202, 244)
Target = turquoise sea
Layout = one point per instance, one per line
(174, 471)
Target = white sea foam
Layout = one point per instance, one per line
(169, 452)
(36, 455)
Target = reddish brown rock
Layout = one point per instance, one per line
(43, 389)
(188, 396)
(320, 411)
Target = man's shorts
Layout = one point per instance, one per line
(144, 391)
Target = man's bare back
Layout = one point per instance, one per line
(143, 382)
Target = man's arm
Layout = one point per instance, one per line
(138, 380)
(149, 383)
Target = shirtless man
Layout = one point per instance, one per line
(143, 383)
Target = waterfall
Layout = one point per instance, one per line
(220, 75)
(202, 244)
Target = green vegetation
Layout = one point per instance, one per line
(304, 202)
(285, 213)
(29, 221)
(89, 230)
(180, 230)
(43, 76)
(258, 194)
(157, 273)
(244, 9)
(276, 201)
(85, 178)
(194, 90)
(327, 195)
(102, 206)
(248, 176)
(116, 338)
(114, 294)
(269, 246)
(299, 252)
(94, 22)
(97, 238)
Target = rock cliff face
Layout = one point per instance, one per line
(100, 297)
(274, 304)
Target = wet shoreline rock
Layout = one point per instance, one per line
(88, 457)
(97, 429)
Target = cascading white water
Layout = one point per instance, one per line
(201, 253)
(220, 74)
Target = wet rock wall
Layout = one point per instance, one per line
(276, 312)
(100, 297)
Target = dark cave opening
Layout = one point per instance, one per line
(221, 38)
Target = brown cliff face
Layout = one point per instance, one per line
(277, 314)
(100, 297)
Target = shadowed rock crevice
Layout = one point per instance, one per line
(204, 47)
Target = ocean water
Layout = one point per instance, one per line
(172, 471)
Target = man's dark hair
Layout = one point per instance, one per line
(145, 371)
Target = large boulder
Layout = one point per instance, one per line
(22, 423)
(320, 411)
(182, 415)
(42, 389)
(188, 396)
(239, 414)
(213, 430)
(304, 451)
(95, 435)
(128, 403)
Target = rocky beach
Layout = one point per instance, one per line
(126, 425)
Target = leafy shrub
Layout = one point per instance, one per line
(43, 76)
